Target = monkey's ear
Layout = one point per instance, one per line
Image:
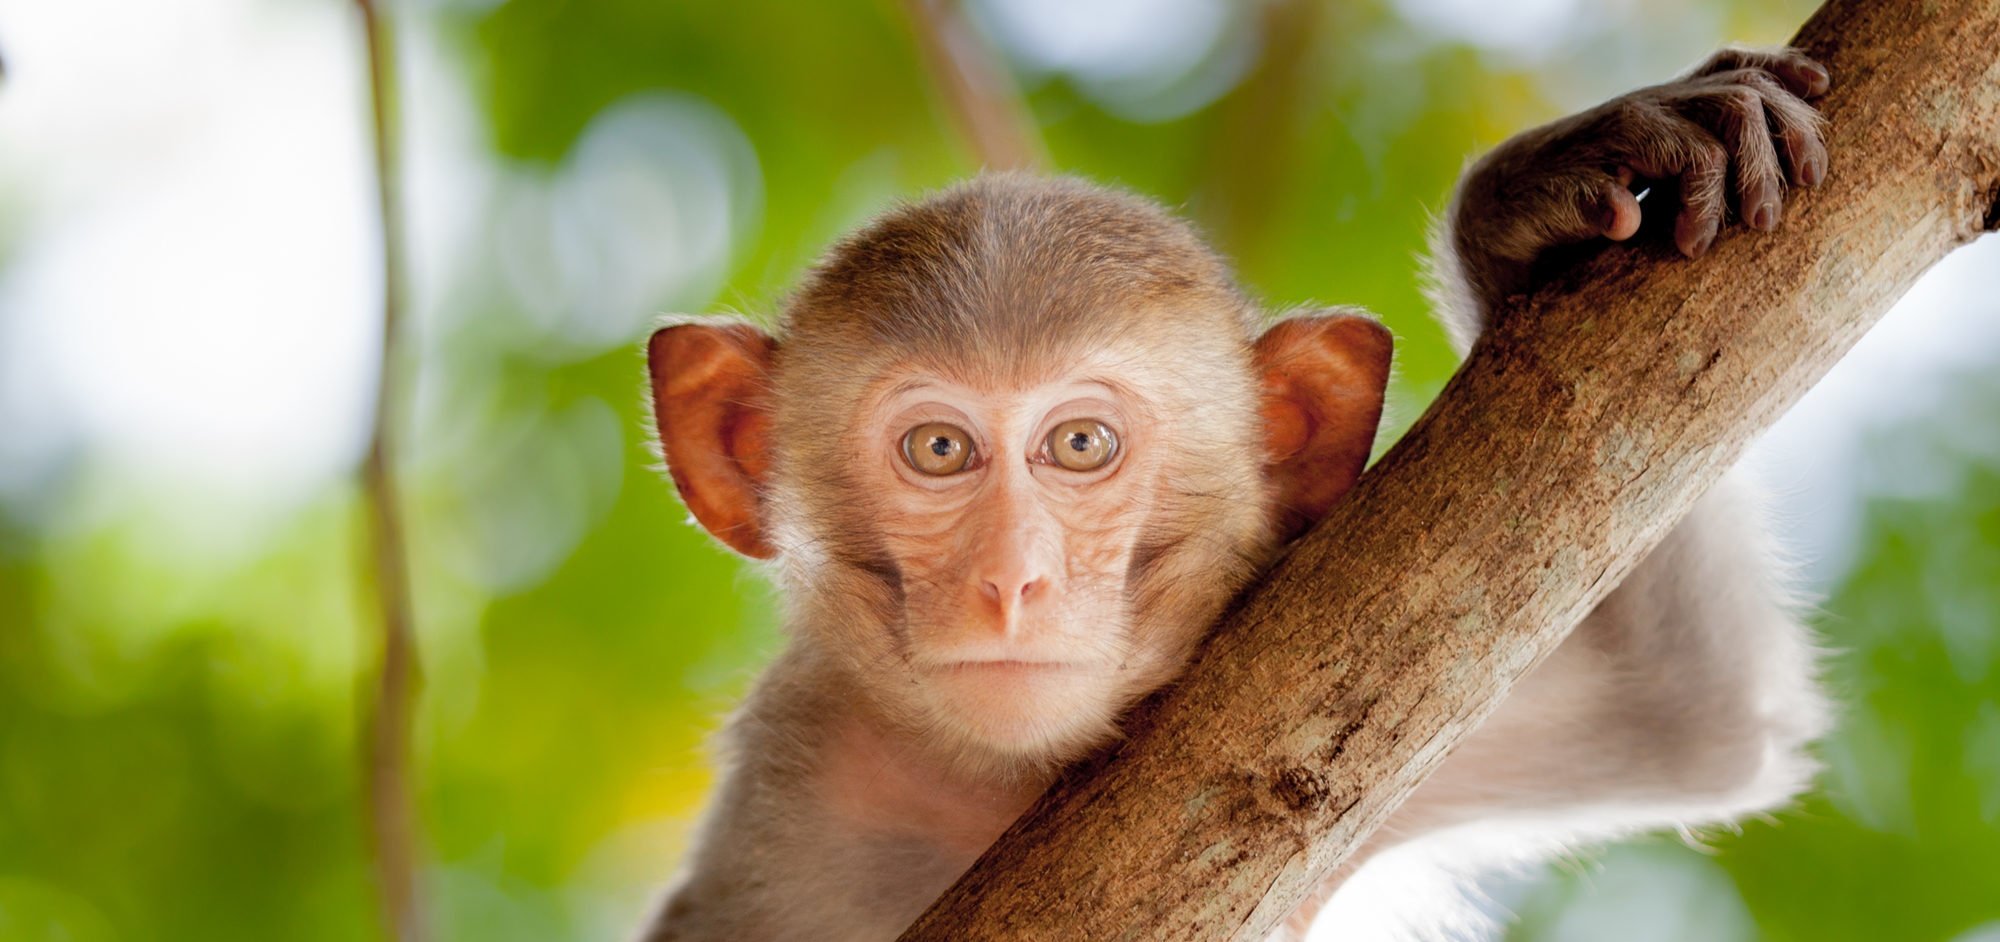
(711, 403)
(1323, 380)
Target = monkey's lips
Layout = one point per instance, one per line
(1009, 667)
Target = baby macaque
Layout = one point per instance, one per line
(1013, 448)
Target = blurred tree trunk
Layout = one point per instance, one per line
(978, 92)
(388, 687)
(1252, 158)
(1578, 433)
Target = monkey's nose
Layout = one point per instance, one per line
(1006, 591)
(1012, 591)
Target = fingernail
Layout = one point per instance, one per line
(1765, 216)
(1700, 245)
(1813, 171)
(1820, 79)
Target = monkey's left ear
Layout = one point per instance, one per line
(1323, 380)
(710, 392)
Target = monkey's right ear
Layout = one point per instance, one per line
(1323, 376)
(711, 396)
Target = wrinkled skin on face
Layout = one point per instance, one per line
(1009, 609)
(1025, 620)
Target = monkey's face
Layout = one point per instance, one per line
(1017, 448)
(1057, 546)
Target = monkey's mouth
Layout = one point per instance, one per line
(1008, 666)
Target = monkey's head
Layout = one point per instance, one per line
(1012, 450)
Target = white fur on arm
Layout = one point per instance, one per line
(1687, 698)
(1456, 305)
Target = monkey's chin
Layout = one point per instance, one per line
(1029, 710)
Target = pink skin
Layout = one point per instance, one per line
(1020, 634)
(1008, 560)
(1005, 562)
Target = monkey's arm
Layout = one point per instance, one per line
(1687, 696)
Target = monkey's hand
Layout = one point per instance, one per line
(1733, 132)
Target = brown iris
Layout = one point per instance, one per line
(937, 448)
(1082, 444)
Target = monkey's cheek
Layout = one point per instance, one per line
(1024, 709)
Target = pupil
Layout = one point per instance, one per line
(1080, 441)
(941, 446)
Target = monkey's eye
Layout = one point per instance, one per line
(936, 448)
(1082, 444)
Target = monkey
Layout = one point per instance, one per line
(1012, 448)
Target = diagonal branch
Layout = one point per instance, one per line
(981, 96)
(389, 689)
(1581, 429)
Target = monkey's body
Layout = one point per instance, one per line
(814, 840)
(973, 607)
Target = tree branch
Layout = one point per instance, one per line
(977, 90)
(1582, 428)
(389, 689)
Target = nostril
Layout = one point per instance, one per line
(1014, 593)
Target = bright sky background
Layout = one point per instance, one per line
(191, 293)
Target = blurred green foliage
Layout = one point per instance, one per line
(177, 729)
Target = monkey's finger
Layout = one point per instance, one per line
(1798, 129)
(1738, 114)
(1674, 147)
(1577, 206)
(1794, 123)
(1802, 75)
(1702, 184)
(1805, 151)
(1618, 210)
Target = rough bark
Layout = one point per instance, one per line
(1581, 429)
